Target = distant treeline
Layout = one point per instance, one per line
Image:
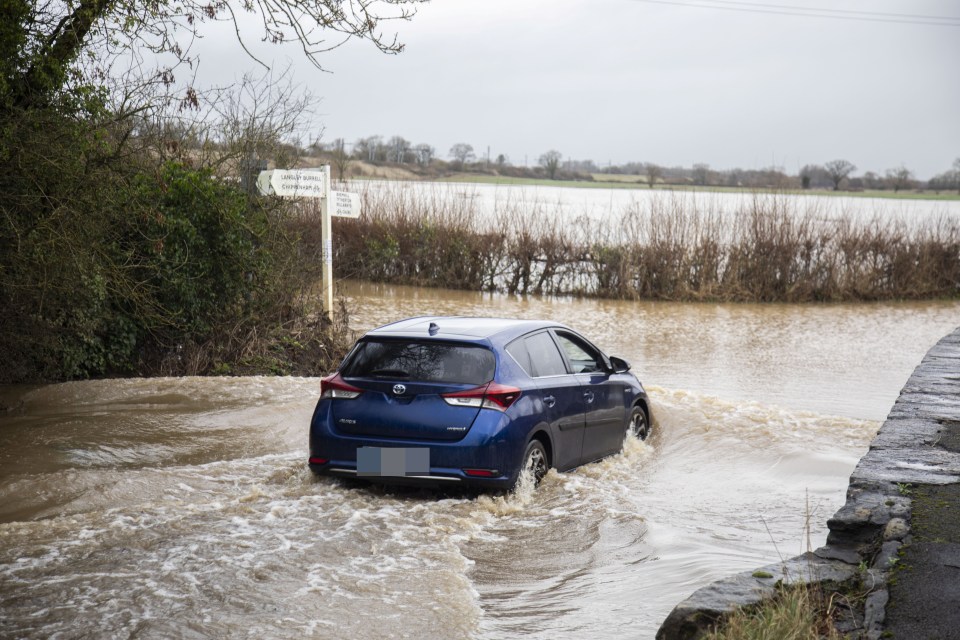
(672, 249)
(423, 159)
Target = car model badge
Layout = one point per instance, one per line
(399, 389)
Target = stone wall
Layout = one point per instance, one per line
(912, 447)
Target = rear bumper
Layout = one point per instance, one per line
(493, 442)
(438, 478)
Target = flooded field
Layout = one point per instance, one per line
(648, 245)
(599, 203)
(183, 508)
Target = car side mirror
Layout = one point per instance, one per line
(619, 364)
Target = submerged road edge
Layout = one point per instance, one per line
(918, 446)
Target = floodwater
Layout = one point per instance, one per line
(574, 204)
(182, 507)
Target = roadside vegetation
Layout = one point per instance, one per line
(796, 613)
(121, 257)
(131, 242)
(672, 248)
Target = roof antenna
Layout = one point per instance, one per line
(433, 329)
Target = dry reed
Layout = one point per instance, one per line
(772, 248)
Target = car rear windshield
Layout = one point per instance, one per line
(421, 361)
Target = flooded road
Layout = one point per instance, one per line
(182, 507)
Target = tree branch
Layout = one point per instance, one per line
(48, 71)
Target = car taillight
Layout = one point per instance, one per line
(492, 395)
(333, 386)
(315, 460)
(482, 473)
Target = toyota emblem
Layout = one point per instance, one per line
(399, 389)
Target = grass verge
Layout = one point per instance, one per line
(796, 613)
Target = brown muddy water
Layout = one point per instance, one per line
(182, 507)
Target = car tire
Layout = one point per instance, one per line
(535, 459)
(638, 424)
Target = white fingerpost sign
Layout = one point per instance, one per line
(344, 204)
(314, 183)
(300, 183)
(263, 183)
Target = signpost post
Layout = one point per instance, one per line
(314, 183)
(326, 232)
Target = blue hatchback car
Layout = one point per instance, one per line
(472, 401)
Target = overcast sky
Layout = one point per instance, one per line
(616, 81)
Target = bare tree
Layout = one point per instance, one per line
(733, 177)
(398, 148)
(551, 161)
(814, 176)
(424, 154)
(654, 173)
(872, 181)
(839, 170)
(462, 153)
(900, 178)
(340, 158)
(580, 166)
(259, 117)
(948, 180)
(53, 35)
(370, 149)
(701, 174)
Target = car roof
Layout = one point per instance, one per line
(462, 328)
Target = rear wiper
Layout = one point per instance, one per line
(389, 373)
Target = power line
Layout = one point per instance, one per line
(838, 11)
(786, 10)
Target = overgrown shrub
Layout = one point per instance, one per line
(113, 263)
(201, 249)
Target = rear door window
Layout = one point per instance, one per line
(421, 362)
(545, 358)
(518, 349)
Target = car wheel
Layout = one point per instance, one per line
(535, 461)
(639, 426)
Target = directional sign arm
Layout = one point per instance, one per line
(344, 205)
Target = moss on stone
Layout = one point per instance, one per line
(950, 437)
(936, 516)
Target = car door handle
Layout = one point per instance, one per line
(549, 401)
(588, 396)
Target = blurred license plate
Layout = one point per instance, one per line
(393, 461)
